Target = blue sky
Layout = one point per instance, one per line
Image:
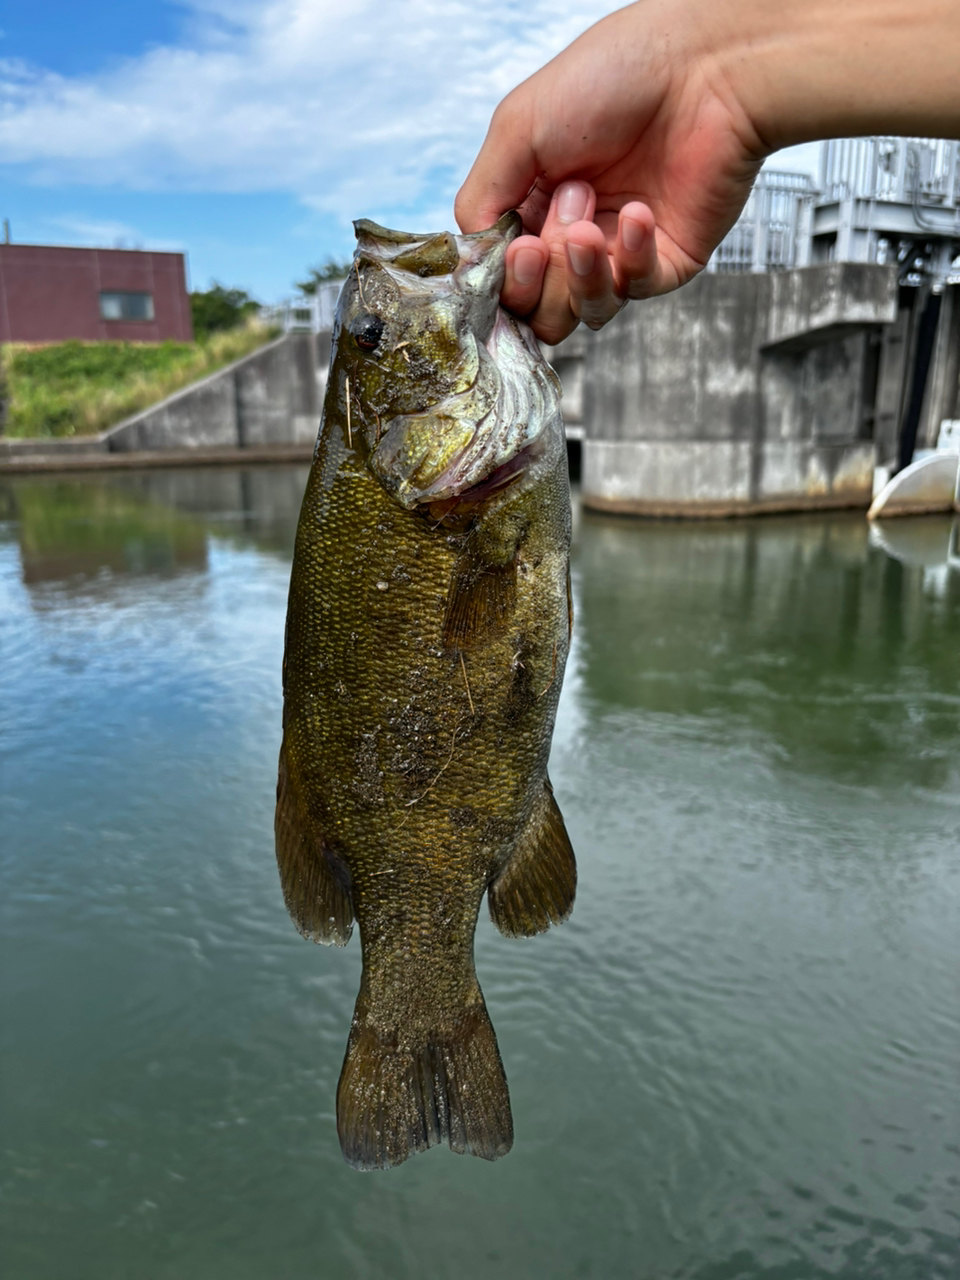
(250, 132)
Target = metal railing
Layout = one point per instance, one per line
(310, 313)
(766, 235)
(774, 231)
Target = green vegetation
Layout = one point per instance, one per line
(217, 309)
(332, 269)
(78, 388)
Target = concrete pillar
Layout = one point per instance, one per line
(804, 236)
(942, 397)
(895, 349)
(844, 250)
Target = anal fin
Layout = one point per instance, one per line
(537, 886)
(316, 886)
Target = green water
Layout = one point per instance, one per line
(741, 1057)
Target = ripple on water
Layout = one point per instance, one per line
(734, 1061)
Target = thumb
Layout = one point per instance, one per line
(502, 174)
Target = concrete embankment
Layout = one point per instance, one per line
(262, 408)
(738, 394)
(743, 394)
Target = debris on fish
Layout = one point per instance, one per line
(427, 629)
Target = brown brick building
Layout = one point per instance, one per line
(50, 294)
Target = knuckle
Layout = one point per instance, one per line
(504, 114)
(555, 328)
(596, 314)
(639, 289)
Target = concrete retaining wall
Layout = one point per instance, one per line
(267, 402)
(268, 398)
(738, 393)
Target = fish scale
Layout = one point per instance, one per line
(424, 655)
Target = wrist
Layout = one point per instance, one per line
(834, 68)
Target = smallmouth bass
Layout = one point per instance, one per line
(428, 625)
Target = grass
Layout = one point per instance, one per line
(79, 388)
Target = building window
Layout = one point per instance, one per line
(126, 306)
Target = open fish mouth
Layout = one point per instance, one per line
(471, 445)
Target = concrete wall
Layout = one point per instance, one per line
(567, 359)
(738, 393)
(806, 308)
(267, 398)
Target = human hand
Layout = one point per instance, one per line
(631, 154)
(629, 158)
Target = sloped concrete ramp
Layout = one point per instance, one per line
(263, 407)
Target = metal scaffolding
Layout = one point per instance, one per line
(879, 199)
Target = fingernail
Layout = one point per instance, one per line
(582, 258)
(572, 200)
(527, 266)
(634, 233)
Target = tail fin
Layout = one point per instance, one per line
(396, 1098)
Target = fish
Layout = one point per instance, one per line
(428, 624)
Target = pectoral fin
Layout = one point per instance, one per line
(316, 885)
(480, 603)
(537, 886)
(483, 587)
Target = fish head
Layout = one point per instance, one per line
(430, 366)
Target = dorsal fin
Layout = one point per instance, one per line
(316, 886)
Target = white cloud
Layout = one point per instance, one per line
(355, 106)
(107, 234)
(118, 235)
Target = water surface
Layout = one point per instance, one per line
(738, 1060)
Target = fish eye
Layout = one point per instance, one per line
(367, 332)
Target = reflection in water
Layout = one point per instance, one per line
(795, 626)
(932, 542)
(102, 527)
(70, 532)
(738, 1060)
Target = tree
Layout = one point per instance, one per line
(219, 308)
(332, 269)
